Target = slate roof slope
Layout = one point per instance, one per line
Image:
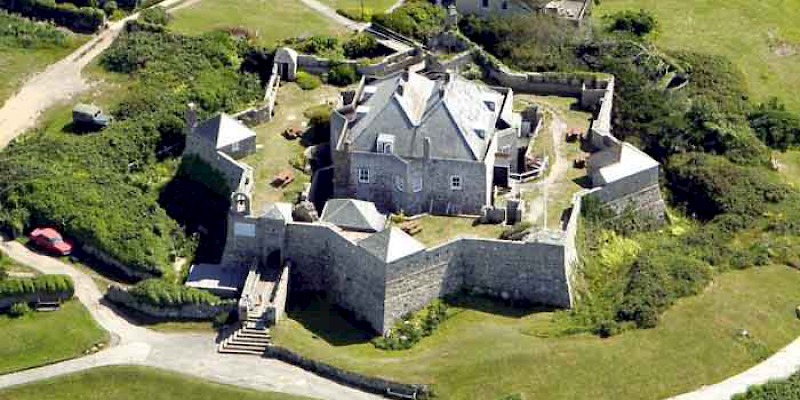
(454, 113)
(353, 214)
(223, 130)
(279, 211)
(391, 244)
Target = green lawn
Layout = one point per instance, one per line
(275, 151)
(270, 20)
(762, 37)
(47, 337)
(375, 6)
(483, 355)
(133, 383)
(437, 229)
(18, 64)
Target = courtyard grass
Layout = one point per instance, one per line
(133, 383)
(46, 337)
(270, 20)
(487, 350)
(438, 229)
(274, 151)
(370, 6)
(761, 37)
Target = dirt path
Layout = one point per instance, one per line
(331, 14)
(59, 82)
(556, 172)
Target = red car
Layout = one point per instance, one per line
(50, 241)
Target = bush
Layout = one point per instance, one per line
(83, 19)
(155, 15)
(160, 293)
(788, 389)
(356, 14)
(19, 310)
(16, 31)
(418, 19)
(342, 75)
(639, 23)
(361, 45)
(775, 126)
(308, 81)
(516, 231)
(320, 45)
(110, 7)
(44, 284)
(412, 327)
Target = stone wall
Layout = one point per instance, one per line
(367, 383)
(263, 112)
(238, 176)
(389, 64)
(327, 261)
(120, 296)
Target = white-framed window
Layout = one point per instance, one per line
(385, 143)
(456, 182)
(417, 184)
(363, 175)
(399, 183)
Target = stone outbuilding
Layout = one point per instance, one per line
(226, 134)
(286, 60)
(353, 215)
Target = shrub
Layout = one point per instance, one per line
(110, 7)
(356, 14)
(516, 231)
(16, 31)
(320, 45)
(161, 293)
(361, 45)
(342, 75)
(44, 284)
(788, 389)
(79, 19)
(19, 310)
(418, 19)
(775, 126)
(155, 15)
(412, 327)
(639, 23)
(308, 81)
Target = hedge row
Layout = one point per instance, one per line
(161, 293)
(79, 19)
(49, 284)
(16, 31)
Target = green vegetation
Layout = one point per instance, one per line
(418, 19)
(79, 18)
(27, 47)
(437, 229)
(45, 284)
(103, 189)
(133, 383)
(353, 7)
(19, 310)
(286, 20)
(639, 23)
(359, 45)
(766, 50)
(788, 389)
(160, 293)
(775, 126)
(307, 81)
(343, 75)
(155, 16)
(487, 350)
(46, 337)
(411, 328)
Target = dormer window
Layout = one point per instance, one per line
(490, 105)
(385, 144)
(481, 133)
(367, 93)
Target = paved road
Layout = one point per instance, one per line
(193, 354)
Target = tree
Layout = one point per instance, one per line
(775, 126)
(638, 23)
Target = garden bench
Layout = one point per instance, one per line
(283, 178)
(411, 227)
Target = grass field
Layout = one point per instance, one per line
(133, 383)
(762, 37)
(18, 64)
(437, 230)
(270, 20)
(486, 351)
(46, 337)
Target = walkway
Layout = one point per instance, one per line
(331, 14)
(141, 346)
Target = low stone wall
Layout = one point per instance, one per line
(366, 383)
(389, 64)
(103, 258)
(120, 296)
(6, 302)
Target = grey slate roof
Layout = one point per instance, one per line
(452, 112)
(391, 244)
(223, 130)
(354, 215)
(279, 211)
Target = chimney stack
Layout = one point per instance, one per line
(426, 148)
(191, 118)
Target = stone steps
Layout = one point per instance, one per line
(246, 340)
